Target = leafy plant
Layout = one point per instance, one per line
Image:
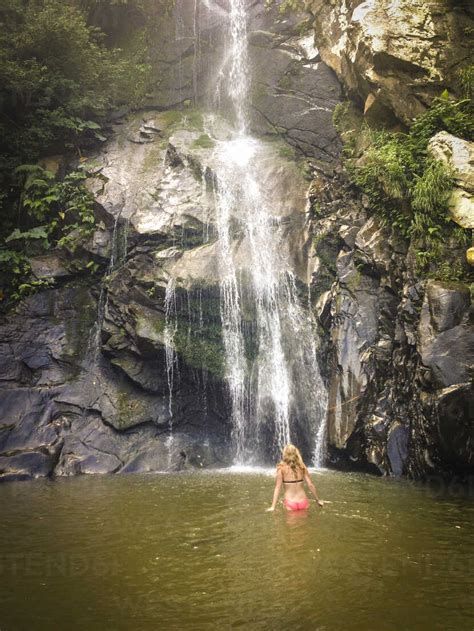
(15, 269)
(287, 5)
(59, 81)
(407, 187)
(204, 142)
(465, 77)
(65, 213)
(40, 232)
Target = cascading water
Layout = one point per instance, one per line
(171, 326)
(118, 254)
(273, 377)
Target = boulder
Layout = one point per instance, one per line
(446, 339)
(458, 154)
(393, 55)
(26, 464)
(49, 266)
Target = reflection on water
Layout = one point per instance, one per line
(197, 551)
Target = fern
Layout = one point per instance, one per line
(407, 188)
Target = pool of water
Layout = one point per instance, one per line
(198, 551)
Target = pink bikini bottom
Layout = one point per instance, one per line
(296, 505)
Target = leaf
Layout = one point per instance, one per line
(40, 232)
(445, 95)
(35, 182)
(91, 125)
(28, 168)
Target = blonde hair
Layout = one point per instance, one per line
(291, 456)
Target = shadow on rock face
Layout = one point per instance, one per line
(456, 426)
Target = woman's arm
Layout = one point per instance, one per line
(276, 493)
(312, 488)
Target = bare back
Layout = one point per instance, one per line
(293, 485)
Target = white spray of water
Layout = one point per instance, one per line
(269, 384)
(171, 327)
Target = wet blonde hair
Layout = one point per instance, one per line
(291, 456)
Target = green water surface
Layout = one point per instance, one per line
(198, 551)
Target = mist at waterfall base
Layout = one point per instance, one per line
(196, 551)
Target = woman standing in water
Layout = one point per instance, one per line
(292, 473)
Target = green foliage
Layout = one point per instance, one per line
(204, 142)
(64, 210)
(408, 188)
(466, 80)
(66, 205)
(60, 75)
(14, 270)
(58, 82)
(339, 115)
(431, 191)
(287, 152)
(448, 271)
(286, 6)
(40, 232)
(186, 118)
(201, 348)
(145, 6)
(455, 117)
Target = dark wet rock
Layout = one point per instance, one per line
(454, 412)
(293, 92)
(397, 447)
(48, 266)
(446, 340)
(25, 464)
(398, 351)
(63, 415)
(448, 304)
(154, 458)
(78, 457)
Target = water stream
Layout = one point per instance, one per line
(264, 374)
(118, 254)
(171, 326)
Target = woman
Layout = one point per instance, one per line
(292, 473)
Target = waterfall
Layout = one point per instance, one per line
(118, 254)
(275, 384)
(239, 71)
(171, 326)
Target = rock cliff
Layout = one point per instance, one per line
(399, 349)
(126, 374)
(400, 346)
(394, 56)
